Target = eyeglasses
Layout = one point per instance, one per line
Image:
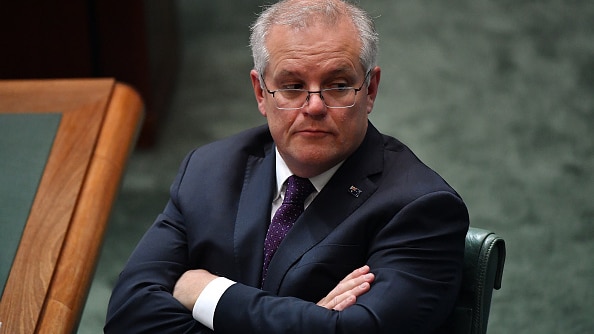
(292, 99)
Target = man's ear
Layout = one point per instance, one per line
(372, 88)
(258, 91)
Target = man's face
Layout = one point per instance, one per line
(314, 138)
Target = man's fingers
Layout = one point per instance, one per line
(349, 298)
(346, 292)
(349, 301)
(352, 281)
(356, 273)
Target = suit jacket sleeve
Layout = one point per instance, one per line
(416, 257)
(142, 300)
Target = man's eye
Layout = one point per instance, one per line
(339, 85)
(292, 86)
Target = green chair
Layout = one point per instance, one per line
(484, 256)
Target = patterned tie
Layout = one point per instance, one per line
(297, 191)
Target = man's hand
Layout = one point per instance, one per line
(346, 292)
(190, 286)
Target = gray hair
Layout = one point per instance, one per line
(298, 15)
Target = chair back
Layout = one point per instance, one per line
(484, 257)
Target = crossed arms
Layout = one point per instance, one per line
(413, 286)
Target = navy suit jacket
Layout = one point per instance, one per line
(407, 224)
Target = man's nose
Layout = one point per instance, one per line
(315, 104)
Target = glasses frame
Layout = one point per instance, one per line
(309, 92)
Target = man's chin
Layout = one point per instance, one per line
(313, 161)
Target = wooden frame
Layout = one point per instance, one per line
(55, 261)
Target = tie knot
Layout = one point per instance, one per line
(298, 189)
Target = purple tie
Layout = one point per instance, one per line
(297, 191)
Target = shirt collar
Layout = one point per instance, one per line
(283, 172)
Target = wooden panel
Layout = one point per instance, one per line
(53, 267)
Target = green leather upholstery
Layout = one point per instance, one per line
(484, 256)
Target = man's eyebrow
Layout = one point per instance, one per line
(346, 72)
(343, 70)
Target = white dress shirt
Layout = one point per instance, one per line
(205, 305)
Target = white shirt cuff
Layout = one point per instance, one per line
(206, 304)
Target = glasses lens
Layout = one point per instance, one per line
(290, 98)
(332, 98)
(339, 97)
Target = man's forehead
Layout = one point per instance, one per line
(333, 71)
(328, 39)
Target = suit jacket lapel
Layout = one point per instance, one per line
(332, 206)
(253, 216)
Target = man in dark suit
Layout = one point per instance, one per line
(379, 245)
